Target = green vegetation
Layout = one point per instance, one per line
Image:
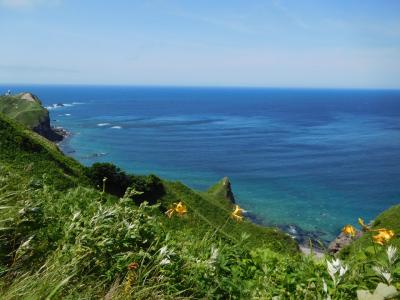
(66, 235)
(117, 182)
(24, 108)
(363, 248)
(26, 152)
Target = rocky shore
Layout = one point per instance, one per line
(54, 134)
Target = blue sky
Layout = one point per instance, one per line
(271, 43)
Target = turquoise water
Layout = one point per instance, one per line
(317, 159)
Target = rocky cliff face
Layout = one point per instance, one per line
(44, 129)
(27, 109)
(228, 190)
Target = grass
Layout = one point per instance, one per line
(29, 113)
(62, 238)
(211, 210)
(25, 151)
(363, 247)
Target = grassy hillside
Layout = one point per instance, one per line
(24, 151)
(210, 210)
(364, 247)
(62, 237)
(24, 108)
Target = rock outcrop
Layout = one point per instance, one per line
(46, 130)
(27, 109)
(228, 194)
(223, 190)
(341, 241)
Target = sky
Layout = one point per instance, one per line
(261, 43)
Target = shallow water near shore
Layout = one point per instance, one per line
(317, 159)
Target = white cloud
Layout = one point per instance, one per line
(24, 4)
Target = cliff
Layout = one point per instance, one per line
(223, 189)
(28, 110)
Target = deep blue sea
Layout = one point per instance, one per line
(316, 158)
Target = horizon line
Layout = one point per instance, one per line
(199, 86)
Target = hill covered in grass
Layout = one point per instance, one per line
(74, 232)
(27, 109)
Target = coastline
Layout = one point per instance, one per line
(308, 241)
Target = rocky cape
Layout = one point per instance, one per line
(27, 109)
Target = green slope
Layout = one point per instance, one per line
(364, 247)
(24, 108)
(22, 150)
(47, 201)
(210, 210)
(63, 238)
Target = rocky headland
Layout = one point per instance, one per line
(27, 109)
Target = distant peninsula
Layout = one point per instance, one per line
(28, 110)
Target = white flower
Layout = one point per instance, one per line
(334, 267)
(165, 261)
(76, 215)
(25, 244)
(214, 255)
(342, 271)
(324, 286)
(383, 273)
(24, 247)
(392, 254)
(163, 250)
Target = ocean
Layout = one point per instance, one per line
(316, 159)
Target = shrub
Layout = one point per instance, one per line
(117, 180)
(151, 186)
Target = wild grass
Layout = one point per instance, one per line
(29, 113)
(61, 238)
(80, 244)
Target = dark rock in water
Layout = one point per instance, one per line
(304, 237)
(342, 241)
(94, 155)
(61, 131)
(254, 218)
(59, 105)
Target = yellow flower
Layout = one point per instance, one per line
(180, 209)
(378, 239)
(384, 235)
(237, 214)
(349, 230)
(364, 227)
